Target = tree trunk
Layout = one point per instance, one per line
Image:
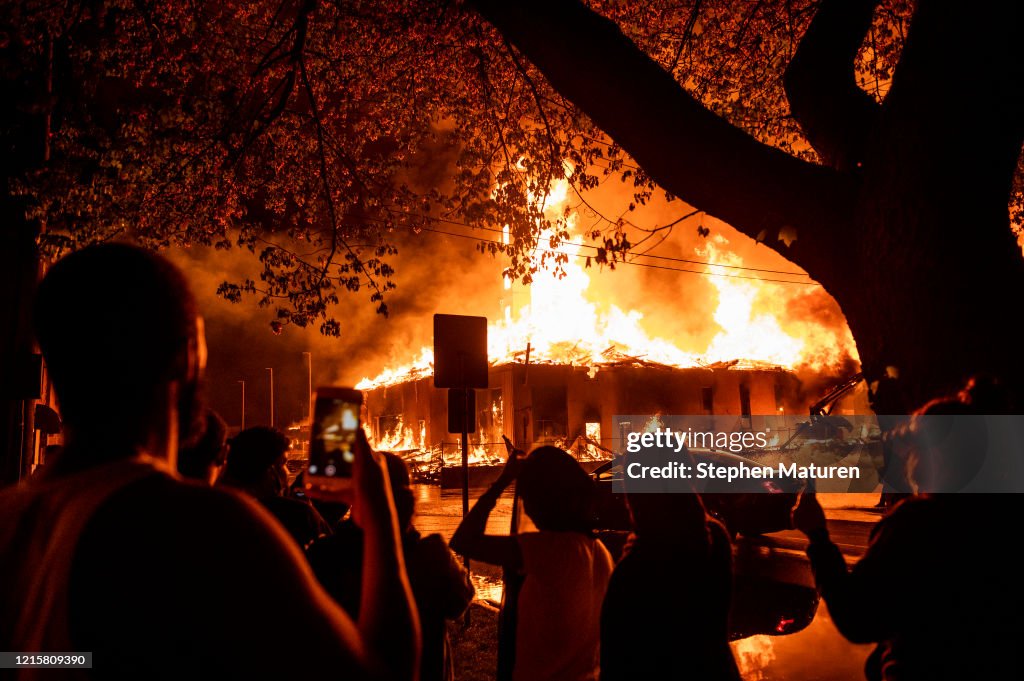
(18, 273)
(940, 266)
(913, 243)
(23, 140)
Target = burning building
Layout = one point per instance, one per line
(564, 364)
(574, 407)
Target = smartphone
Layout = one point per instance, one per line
(333, 438)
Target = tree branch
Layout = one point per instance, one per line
(685, 148)
(691, 21)
(834, 113)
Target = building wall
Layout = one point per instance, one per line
(541, 402)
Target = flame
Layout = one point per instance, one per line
(413, 446)
(400, 438)
(560, 324)
(490, 454)
(744, 333)
(753, 656)
(421, 366)
(749, 313)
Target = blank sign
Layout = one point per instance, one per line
(460, 351)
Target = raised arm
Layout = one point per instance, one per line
(272, 612)
(190, 578)
(388, 618)
(856, 597)
(470, 539)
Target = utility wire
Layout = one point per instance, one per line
(638, 264)
(595, 248)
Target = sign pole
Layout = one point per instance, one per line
(465, 451)
(460, 364)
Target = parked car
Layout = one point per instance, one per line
(745, 506)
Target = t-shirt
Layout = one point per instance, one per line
(565, 575)
(162, 579)
(41, 521)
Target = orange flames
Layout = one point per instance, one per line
(756, 323)
(413, 446)
(753, 656)
(563, 325)
(400, 438)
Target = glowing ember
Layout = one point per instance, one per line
(562, 325)
(479, 454)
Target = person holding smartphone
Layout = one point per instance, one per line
(440, 583)
(112, 552)
(930, 590)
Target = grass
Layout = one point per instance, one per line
(475, 648)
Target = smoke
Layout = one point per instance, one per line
(434, 273)
(437, 273)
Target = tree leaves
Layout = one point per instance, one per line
(197, 123)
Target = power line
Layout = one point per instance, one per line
(595, 248)
(626, 262)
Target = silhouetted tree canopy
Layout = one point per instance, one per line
(313, 133)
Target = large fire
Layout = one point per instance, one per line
(561, 324)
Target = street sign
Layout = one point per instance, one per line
(460, 351)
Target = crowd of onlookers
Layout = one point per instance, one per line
(255, 462)
(171, 551)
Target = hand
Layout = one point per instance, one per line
(372, 504)
(513, 465)
(370, 493)
(808, 515)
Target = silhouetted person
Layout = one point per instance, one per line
(935, 589)
(565, 569)
(204, 459)
(161, 578)
(440, 584)
(666, 612)
(257, 466)
(333, 512)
